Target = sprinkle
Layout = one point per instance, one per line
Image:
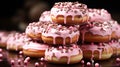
(27, 58)
(36, 64)
(118, 59)
(1, 56)
(82, 61)
(0, 50)
(25, 62)
(19, 61)
(21, 52)
(12, 62)
(96, 64)
(42, 59)
(60, 47)
(88, 63)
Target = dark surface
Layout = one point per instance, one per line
(9, 55)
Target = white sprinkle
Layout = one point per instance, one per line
(88, 63)
(96, 64)
(36, 64)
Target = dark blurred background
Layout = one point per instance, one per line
(17, 14)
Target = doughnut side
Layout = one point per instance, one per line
(34, 53)
(60, 19)
(89, 37)
(63, 60)
(35, 36)
(60, 40)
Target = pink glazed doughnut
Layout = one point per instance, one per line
(34, 49)
(101, 51)
(45, 17)
(98, 15)
(16, 41)
(69, 13)
(96, 32)
(56, 34)
(3, 38)
(115, 44)
(115, 29)
(64, 54)
(35, 29)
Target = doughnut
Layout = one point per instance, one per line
(45, 17)
(98, 15)
(34, 49)
(66, 54)
(117, 32)
(34, 30)
(99, 51)
(3, 38)
(96, 32)
(115, 29)
(69, 13)
(16, 41)
(56, 34)
(115, 44)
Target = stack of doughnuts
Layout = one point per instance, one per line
(60, 32)
(99, 37)
(67, 33)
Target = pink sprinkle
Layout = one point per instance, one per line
(1, 55)
(41, 59)
(75, 46)
(41, 63)
(25, 62)
(27, 58)
(96, 64)
(118, 59)
(19, 61)
(60, 47)
(82, 62)
(88, 63)
(100, 44)
(36, 64)
(20, 56)
(21, 52)
(12, 62)
(59, 26)
(0, 50)
(71, 27)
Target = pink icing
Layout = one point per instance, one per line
(34, 45)
(63, 51)
(115, 45)
(17, 40)
(55, 30)
(36, 28)
(45, 16)
(98, 15)
(33, 28)
(3, 37)
(96, 28)
(115, 27)
(101, 29)
(68, 9)
(96, 47)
